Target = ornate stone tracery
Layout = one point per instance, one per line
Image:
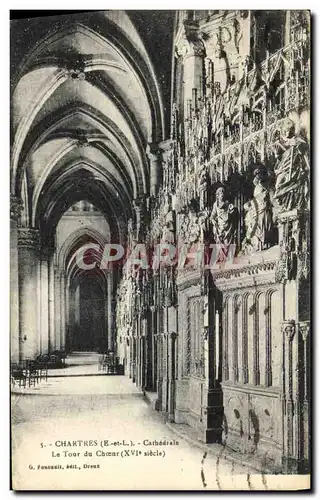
(235, 171)
(224, 345)
(16, 207)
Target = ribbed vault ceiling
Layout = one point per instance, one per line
(85, 104)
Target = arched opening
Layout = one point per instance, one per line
(88, 288)
(88, 309)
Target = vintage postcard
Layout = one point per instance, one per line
(160, 250)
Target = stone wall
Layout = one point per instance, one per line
(226, 348)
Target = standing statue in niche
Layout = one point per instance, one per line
(258, 216)
(168, 235)
(292, 171)
(168, 230)
(224, 217)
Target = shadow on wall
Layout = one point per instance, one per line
(255, 424)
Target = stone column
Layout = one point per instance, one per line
(212, 413)
(57, 309)
(130, 357)
(154, 156)
(67, 309)
(134, 358)
(289, 334)
(62, 311)
(110, 312)
(138, 361)
(142, 361)
(173, 353)
(154, 349)
(28, 244)
(144, 352)
(149, 352)
(139, 208)
(304, 329)
(51, 304)
(194, 54)
(106, 315)
(171, 327)
(15, 210)
(159, 340)
(165, 370)
(44, 300)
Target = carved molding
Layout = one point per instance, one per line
(205, 333)
(191, 43)
(248, 270)
(28, 237)
(188, 278)
(16, 207)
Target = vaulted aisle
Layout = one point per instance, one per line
(160, 215)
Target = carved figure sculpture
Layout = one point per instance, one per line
(292, 175)
(259, 216)
(189, 228)
(224, 219)
(168, 233)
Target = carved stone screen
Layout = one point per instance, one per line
(160, 248)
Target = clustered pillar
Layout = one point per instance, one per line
(37, 293)
(28, 268)
(15, 209)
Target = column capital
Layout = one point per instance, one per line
(16, 207)
(194, 38)
(205, 332)
(289, 328)
(191, 41)
(173, 335)
(196, 48)
(139, 202)
(167, 146)
(28, 237)
(153, 151)
(304, 329)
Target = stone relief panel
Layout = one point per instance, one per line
(264, 419)
(251, 343)
(196, 398)
(235, 422)
(252, 424)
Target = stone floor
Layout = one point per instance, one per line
(64, 411)
(79, 363)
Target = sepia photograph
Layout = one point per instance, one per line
(160, 277)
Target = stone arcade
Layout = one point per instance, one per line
(115, 141)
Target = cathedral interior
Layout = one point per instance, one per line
(189, 129)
